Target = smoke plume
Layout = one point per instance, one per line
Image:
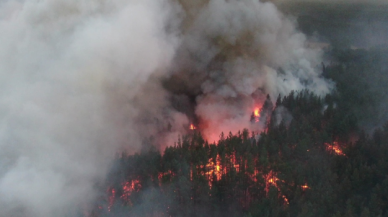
(69, 70)
(80, 80)
(233, 53)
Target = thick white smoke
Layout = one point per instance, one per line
(81, 79)
(240, 49)
(62, 65)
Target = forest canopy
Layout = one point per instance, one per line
(314, 158)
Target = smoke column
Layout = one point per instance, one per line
(81, 80)
(68, 72)
(233, 53)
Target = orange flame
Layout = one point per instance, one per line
(169, 174)
(334, 148)
(256, 115)
(213, 171)
(192, 127)
(128, 188)
(305, 186)
(257, 112)
(271, 180)
(285, 199)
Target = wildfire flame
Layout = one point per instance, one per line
(111, 198)
(335, 148)
(305, 186)
(128, 188)
(214, 171)
(257, 112)
(271, 180)
(285, 199)
(192, 127)
(255, 115)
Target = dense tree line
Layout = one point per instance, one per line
(317, 163)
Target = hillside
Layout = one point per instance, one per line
(312, 159)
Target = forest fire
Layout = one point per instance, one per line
(165, 176)
(334, 148)
(192, 127)
(256, 112)
(305, 186)
(255, 117)
(271, 180)
(128, 188)
(285, 199)
(111, 199)
(214, 169)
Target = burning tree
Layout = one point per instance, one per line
(280, 171)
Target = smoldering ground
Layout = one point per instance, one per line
(82, 80)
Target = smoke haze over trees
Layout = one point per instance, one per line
(318, 164)
(84, 80)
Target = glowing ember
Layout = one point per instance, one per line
(167, 175)
(128, 188)
(255, 115)
(334, 148)
(305, 186)
(214, 170)
(192, 127)
(285, 199)
(257, 112)
(271, 180)
(111, 199)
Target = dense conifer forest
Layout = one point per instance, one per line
(193, 108)
(316, 157)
